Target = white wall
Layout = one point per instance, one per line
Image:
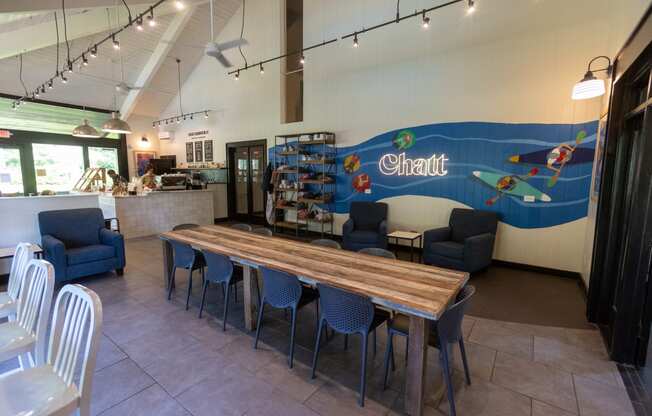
(141, 126)
(512, 61)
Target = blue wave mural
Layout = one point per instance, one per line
(472, 147)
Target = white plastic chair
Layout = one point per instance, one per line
(25, 337)
(49, 389)
(9, 299)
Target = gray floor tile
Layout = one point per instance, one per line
(108, 354)
(116, 383)
(151, 401)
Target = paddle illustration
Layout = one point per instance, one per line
(514, 185)
(556, 158)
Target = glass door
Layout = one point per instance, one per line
(11, 174)
(57, 167)
(247, 163)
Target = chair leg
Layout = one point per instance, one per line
(235, 292)
(346, 342)
(189, 289)
(363, 370)
(203, 298)
(388, 354)
(445, 366)
(259, 323)
(316, 352)
(467, 373)
(292, 331)
(225, 288)
(171, 282)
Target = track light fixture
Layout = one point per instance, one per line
(93, 52)
(206, 114)
(150, 18)
(302, 61)
(355, 41)
(181, 117)
(69, 68)
(42, 89)
(179, 5)
(36, 93)
(262, 70)
(139, 24)
(64, 80)
(116, 43)
(237, 75)
(84, 60)
(425, 21)
(50, 84)
(471, 8)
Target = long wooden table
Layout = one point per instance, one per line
(420, 291)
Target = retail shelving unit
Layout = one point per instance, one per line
(304, 189)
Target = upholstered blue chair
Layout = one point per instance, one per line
(466, 244)
(348, 313)
(77, 243)
(366, 226)
(443, 334)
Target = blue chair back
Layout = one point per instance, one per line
(449, 326)
(184, 227)
(242, 227)
(280, 289)
(74, 227)
(465, 223)
(263, 231)
(325, 242)
(344, 311)
(183, 254)
(379, 252)
(368, 215)
(220, 268)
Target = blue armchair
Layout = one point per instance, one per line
(466, 244)
(77, 243)
(366, 226)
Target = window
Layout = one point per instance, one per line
(103, 157)
(293, 74)
(57, 167)
(11, 175)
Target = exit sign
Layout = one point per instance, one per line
(5, 134)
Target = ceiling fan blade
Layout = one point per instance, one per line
(225, 62)
(232, 44)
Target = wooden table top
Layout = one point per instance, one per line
(408, 287)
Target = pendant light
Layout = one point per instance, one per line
(85, 130)
(590, 86)
(115, 125)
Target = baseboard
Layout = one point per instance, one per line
(539, 269)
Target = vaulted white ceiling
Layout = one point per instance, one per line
(145, 58)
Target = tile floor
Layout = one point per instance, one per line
(158, 359)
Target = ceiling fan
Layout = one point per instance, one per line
(214, 49)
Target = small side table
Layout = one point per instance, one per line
(6, 253)
(410, 236)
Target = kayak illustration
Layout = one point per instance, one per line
(404, 140)
(361, 183)
(557, 157)
(513, 185)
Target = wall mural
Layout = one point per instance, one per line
(534, 175)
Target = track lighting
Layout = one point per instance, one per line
(84, 60)
(425, 21)
(471, 8)
(206, 114)
(69, 66)
(42, 89)
(64, 80)
(139, 24)
(179, 5)
(355, 41)
(178, 120)
(36, 93)
(50, 84)
(116, 43)
(262, 70)
(150, 18)
(93, 52)
(237, 75)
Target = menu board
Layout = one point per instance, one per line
(208, 150)
(199, 152)
(190, 154)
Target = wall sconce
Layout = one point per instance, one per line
(590, 86)
(144, 142)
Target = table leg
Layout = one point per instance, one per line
(417, 365)
(249, 289)
(167, 261)
(412, 250)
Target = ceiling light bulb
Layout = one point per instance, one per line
(426, 21)
(84, 60)
(471, 8)
(178, 120)
(69, 66)
(179, 5)
(262, 70)
(206, 114)
(93, 52)
(150, 18)
(64, 80)
(42, 89)
(116, 43)
(139, 24)
(355, 41)
(237, 75)
(50, 85)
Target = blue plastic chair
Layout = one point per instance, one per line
(325, 242)
(379, 252)
(444, 332)
(348, 313)
(263, 231)
(282, 291)
(220, 271)
(185, 257)
(242, 227)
